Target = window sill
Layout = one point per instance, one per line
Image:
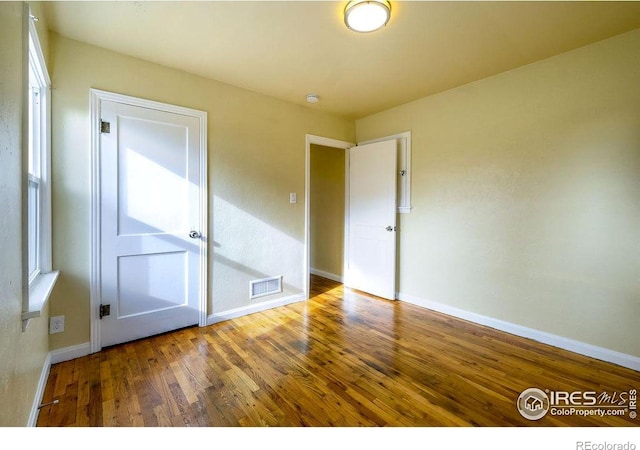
(39, 293)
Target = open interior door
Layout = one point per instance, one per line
(371, 264)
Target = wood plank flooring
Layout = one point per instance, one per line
(341, 359)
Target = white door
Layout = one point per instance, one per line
(372, 219)
(149, 204)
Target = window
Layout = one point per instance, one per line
(38, 206)
(34, 214)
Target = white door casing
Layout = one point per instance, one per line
(151, 196)
(372, 219)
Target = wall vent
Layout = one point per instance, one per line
(265, 286)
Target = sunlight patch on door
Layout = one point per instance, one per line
(142, 283)
(153, 186)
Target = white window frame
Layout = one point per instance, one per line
(36, 135)
(38, 148)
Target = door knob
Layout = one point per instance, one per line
(390, 228)
(193, 234)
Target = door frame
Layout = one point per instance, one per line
(333, 143)
(97, 97)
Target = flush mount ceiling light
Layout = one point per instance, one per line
(365, 16)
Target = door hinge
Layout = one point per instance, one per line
(105, 310)
(105, 127)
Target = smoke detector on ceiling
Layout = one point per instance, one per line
(312, 98)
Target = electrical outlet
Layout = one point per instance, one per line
(56, 324)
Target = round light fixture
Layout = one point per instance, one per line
(312, 98)
(365, 16)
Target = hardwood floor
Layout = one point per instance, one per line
(341, 359)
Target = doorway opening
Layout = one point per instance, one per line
(326, 208)
(327, 212)
(375, 176)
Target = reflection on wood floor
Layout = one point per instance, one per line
(340, 359)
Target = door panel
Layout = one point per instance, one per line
(143, 288)
(372, 218)
(150, 187)
(158, 151)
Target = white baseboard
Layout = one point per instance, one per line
(239, 312)
(69, 353)
(327, 275)
(593, 351)
(53, 357)
(42, 384)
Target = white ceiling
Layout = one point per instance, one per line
(287, 49)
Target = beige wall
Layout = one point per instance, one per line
(326, 209)
(256, 158)
(42, 28)
(22, 353)
(526, 191)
